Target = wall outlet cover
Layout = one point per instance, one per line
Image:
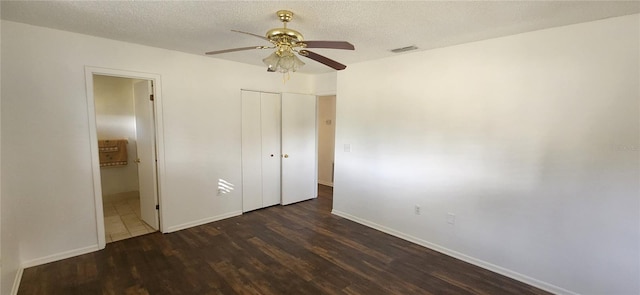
(451, 218)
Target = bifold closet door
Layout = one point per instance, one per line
(260, 150)
(270, 124)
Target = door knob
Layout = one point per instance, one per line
(286, 156)
(137, 161)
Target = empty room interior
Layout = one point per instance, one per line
(320, 147)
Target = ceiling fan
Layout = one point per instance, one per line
(287, 43)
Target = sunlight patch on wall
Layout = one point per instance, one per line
(224, 187)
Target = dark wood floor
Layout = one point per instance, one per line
(297, 249)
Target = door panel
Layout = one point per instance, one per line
(145, 143)
(251, 151)
(270, 111)
(299, 181)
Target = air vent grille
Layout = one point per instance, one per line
(404, 49)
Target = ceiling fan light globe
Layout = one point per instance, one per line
(287, 63)
(271, 60)
(283, 63)
(297, 63)
(290, 63)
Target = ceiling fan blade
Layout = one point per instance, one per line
(329, 44)
(234, 49)
(252, 34)
(323, 60)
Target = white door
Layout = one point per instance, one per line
(260, 150)
(251, 149)
(145, 142)
(299, 181)
(270, 123)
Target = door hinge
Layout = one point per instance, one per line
(151, 97)
(157, 207)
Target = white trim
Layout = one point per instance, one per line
(202, 221)
(60, 256)
(260, 91)
(160, 156)
(93, 137)
(475, 261)
(329, 93)
(327, 183)
(95, 162)
(325, 94)
(315, 153)
(16, 281)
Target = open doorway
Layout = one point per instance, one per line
(326, 138)
(326, 144)
(126, 141)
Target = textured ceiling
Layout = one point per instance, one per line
(373, 27)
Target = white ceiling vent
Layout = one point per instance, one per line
(404, 49)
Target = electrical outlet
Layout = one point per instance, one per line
(451, 218)
(416, 210)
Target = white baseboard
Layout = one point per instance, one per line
(16, 281)
(174, 228)
(60, 256)
(481, 263)
(327, 183)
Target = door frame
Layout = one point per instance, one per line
(93, 140)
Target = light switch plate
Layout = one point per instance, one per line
(347, 148)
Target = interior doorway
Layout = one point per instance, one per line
(125, 131)
(126, 146)
(326, 139)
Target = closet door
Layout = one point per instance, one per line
(299, 180)
(270, 124)
(251, 151)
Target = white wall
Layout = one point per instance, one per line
(531, 140)
(9, 250)
(325, 84)
(47, 178)
(326, 138)
(116, 119)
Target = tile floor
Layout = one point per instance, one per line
(122, 217)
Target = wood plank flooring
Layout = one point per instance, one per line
(296, 249)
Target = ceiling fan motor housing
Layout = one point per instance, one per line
(284, 34)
